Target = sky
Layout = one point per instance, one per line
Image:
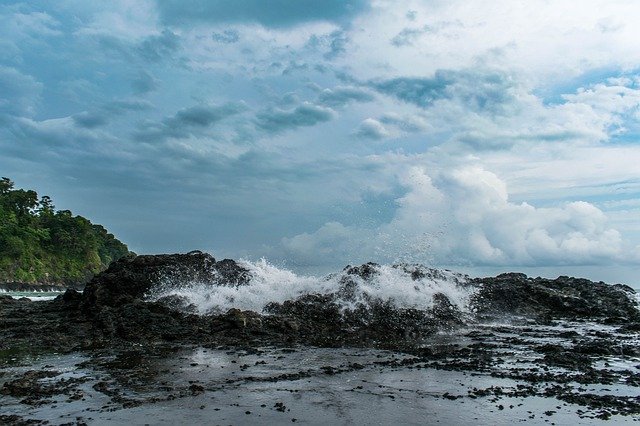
(459, 134)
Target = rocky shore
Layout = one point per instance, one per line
(546, 334)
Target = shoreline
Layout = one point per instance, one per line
(532, 349)
(13, 287)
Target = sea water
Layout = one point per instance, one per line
(32, 295)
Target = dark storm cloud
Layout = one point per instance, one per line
(189, 121)
(278, 120)
(274, 13)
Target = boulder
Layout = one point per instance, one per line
(133, 277)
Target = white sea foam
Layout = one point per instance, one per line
(269, 283)
(37, 295)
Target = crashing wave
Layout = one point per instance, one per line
(194, 295)
(402, 286)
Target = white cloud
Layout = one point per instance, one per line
(129, 21)
(544, 40)
(372, 129)
(492, 111)
(464, 217)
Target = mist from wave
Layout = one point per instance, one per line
(403, 286)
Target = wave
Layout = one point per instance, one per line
(402, 286)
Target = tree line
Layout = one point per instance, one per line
(39, 244)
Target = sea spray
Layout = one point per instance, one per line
(402, 286)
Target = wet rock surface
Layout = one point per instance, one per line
(565, 340)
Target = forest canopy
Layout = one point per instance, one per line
(40, 245)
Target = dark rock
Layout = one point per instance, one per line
(28, 384)
(564, 297)
(132, 278)
(115, 307)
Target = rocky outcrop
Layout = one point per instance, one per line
(132, 277)
(563, 297)
(114, 307)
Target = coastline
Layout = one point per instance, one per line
(9, 287)
(183, 333)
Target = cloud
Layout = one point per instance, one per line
(524, 93)
(123, 105)
(226, 37)
(276, 13)
(409, 36)
(189, 121)
(333, 44)
(59, 141)
(19, 92)
(307, 114)
(412, 123)
(144, 83)
(372, 129)
(102, 115)
(331, 243)
(480, 90)
(156, 48)
(342, 95)
(89, 120)
(484, 110)
(464, 217)
(19, 26)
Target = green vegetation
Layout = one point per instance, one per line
(41, 245)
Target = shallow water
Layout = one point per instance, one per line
(201, 385)
(33, 295)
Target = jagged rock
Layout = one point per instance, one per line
(564, 297)
(132, 277)
(115, 308)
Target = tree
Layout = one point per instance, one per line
(6, 185)
(46, 206)
(39, 244)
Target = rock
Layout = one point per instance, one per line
(28, 384)
(132, 278)
(564, 297)
(115, 309)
